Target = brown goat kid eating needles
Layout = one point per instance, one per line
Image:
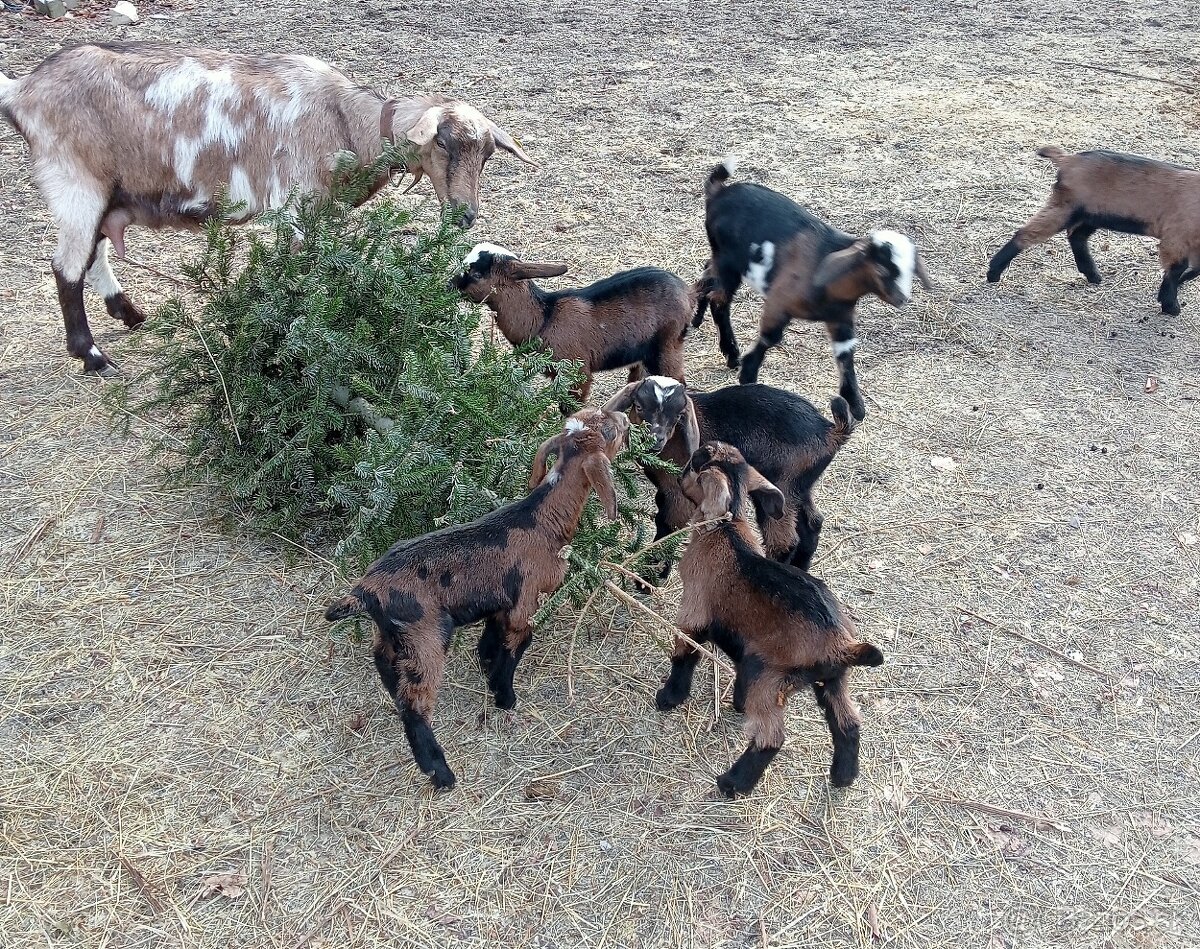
(145, 134)
(636, 318)
(493, 569)
(783, 628)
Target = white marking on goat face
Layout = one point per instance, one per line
(480, 249)
(904, 256)
(663, 387)
(572, 426)
(845, 348)
(757, 272)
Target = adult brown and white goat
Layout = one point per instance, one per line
(803, 268)
(635, 318)
(782, 627)
(123, 134)
(493, 569)
(1117, 192)
(780, 434)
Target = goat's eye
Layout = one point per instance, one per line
(441, 146)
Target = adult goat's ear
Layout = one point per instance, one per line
(508, 143)
(599, 474)
(837, 265)
(622, 401)
(520, 270)
(538, 474)
(715, 494)
(426, 126)
(768, 497)
(691, 428)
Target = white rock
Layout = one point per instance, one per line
(123, 14)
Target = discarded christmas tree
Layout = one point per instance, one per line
(332, 389)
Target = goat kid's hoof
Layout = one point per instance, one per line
(733, 361)
(103, 367)
(1094, 279)
(665, 700)
(505, 701)
(993, 277)
(443, 778)
(728, 788)
(1171, 310)
(843, 775)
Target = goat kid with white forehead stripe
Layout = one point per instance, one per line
(803, 268)
(636, 318)
(136, 133)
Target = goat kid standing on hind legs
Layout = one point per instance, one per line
(152, 134)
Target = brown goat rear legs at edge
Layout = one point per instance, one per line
(1040, 228)
(840, 714)
(1168, 291)
(413, 695)
(504, 667)
(678, 685)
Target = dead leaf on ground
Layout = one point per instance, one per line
(1157, 826)
(229, 885)
(541, 790)
(1151, 383)
(1006, 838)
(1109, 836)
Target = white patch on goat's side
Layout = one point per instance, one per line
(480, 249)
(219, 127)
(756, 273)
(186, 151)
(842, 349)
(175, 86)
(572, 426)
(904, 256)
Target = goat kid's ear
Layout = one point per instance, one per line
(521, 270)
(922, 273)
(622, 401)
(508, 143)
(538, 474)
(837, 265)
(425, 129)
(714, 490)
(599, 474)
(691, 428)
(769, 497)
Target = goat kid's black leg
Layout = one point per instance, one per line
(725, 337)
(747, 670)
(830, 694)
(1077, 237)
(747, 771)
(678, 686)
(426, 751)
(845, 341)
(808, 530)
(491, 643)
(500, 680)
(80, 343)
(752, 359)
(1168, 293)
(1002, 258)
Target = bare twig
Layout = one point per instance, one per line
(1034, 642)
(1123, 72)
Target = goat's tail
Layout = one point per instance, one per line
(349, 605)
(1054, 153)
(864, 654)
(725, 169)
(843, 423)
(700, 291)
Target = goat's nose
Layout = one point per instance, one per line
(467, 218)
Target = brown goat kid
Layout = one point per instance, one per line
(493, 569)
(1117, 192)
(782, 627)
(136, 133)
(636, 318)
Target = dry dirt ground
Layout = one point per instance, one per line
(174, 710)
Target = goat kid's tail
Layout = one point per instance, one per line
(844, 422)
(349, 605)
(865, 654)
(1054, 153)
(726, 168)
